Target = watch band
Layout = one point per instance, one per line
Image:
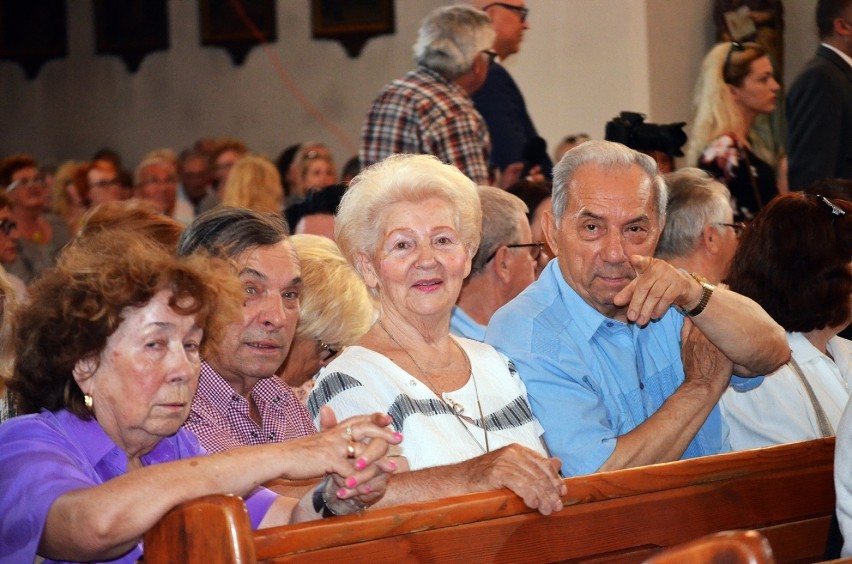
(706, 292)
(319, 501)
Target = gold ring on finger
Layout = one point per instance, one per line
(350, 449)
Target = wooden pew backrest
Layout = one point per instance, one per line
(784, 492)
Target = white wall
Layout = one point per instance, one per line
(581, 63)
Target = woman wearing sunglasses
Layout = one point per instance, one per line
(735, 87)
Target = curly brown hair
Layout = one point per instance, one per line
(135, 216)
(793, 259)
(75, 307)
(11, 165)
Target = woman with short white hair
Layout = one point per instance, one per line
(410, 225)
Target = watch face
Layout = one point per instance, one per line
(700, 279)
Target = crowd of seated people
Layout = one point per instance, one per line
(612, 318)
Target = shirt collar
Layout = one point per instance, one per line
(221, 394)
(802, 349)
(89, 435)
(842, 55)
(587, 319)
(97, 446)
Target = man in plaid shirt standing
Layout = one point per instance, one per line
(429, 111)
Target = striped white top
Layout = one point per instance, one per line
(363, 381)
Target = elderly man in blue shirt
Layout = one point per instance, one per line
(624, 356)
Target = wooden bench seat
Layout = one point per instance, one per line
(784, 492)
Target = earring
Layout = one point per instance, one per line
(88, 402)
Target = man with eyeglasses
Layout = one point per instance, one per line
(503, 266)
(819, 106)
(156, 180)
(517, 148)
(429, 111)
(625, 357)
(700, 234)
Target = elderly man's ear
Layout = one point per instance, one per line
(710, 239)
(550, 229)
(500, 264)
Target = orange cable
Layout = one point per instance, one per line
(288, 82)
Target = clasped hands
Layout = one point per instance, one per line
(355, 452)
(656, 287)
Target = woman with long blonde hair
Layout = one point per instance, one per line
(254, 183)
(736, 86)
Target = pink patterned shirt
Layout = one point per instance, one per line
(219, 416)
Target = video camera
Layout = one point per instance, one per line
(629, 129)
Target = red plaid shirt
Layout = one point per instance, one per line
(424, 113)
(220, 416)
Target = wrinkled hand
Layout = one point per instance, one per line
(703, 362)
(656, 287)
(368, 483)
(530, 475)
(327, 452)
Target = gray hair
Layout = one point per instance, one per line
(696, 199)
(609, 156)
(227, 232)
(450, 39)
(500, 214)
(157, 158)
(403, 178)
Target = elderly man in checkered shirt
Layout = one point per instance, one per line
(429, 110)
(239, 400)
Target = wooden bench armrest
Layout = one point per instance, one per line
(216, 526)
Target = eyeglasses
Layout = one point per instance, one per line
(492, 54)
(105, 183)
(735, 46)
(836, 211)
(160, 181)
(520, 10)
(578, 138)
(326, 352)
(26, 183)
(7, 226)
(536, 247)
(738, 227)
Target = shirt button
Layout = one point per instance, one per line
(412, 383)
(253, 435)
(609, 324)
(641, 386)
(235, 397)
(271, 436)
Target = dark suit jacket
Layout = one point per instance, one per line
(819, 121)
(513, 134)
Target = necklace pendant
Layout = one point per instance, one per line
(457, 408)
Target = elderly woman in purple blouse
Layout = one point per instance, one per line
(108, 362)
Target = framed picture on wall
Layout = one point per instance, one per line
(237, 27)
(32, 33)
(352, 23)
(131, 29)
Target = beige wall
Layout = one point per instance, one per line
(582, 62)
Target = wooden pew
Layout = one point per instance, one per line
(784, 492)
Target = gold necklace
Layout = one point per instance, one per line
(456, 408)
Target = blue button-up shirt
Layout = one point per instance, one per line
(463, 325)
(591, 379)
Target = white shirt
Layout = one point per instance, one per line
(363, 381)
(779, 410)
